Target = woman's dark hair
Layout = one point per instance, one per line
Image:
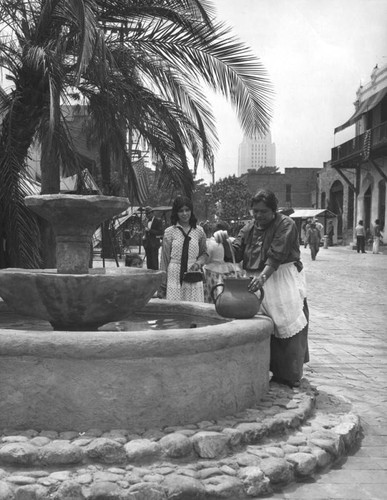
(377, 221)
(222, 225)
(208, 229)
(178, 204)
(268, 198)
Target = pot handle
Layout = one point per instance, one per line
(261, 293)
(213, 290)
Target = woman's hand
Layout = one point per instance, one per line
(256, 282)
(195, 267)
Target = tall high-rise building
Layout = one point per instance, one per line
(255, 153)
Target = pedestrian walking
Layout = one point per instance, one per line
(330, 233)
(184, 249)
(319, 227)
(377, 237)
(313, 238)
(270, 250)
(360, 237)
(305, 228)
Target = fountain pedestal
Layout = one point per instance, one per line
(73, 297)
(74, 219)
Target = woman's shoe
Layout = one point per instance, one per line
(290, 384)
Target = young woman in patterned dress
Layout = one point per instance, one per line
(184, 249)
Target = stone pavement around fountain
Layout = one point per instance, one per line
(240, 456)
(348, 344)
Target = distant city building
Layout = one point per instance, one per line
(255, 153)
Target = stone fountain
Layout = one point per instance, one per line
(78, 377)
(74, 297)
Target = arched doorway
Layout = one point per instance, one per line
(336, 198)
(367, 208)
(323, 199)
(351, 208)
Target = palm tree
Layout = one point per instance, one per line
(137, 66)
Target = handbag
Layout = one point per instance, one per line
(193, 276)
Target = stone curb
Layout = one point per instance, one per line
(283, 438)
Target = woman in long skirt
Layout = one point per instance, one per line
(270, 251)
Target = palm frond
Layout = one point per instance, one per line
(222, 60)
(22, 230)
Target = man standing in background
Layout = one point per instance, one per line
(151, 239)
(360, 237)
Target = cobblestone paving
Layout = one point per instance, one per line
(347, 297)
(348, 343)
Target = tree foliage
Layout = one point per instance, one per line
(265, 170)
(136, 66)
(230, 198)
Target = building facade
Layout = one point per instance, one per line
(296, 188)
(337, 196)
(353, 183)
(255, 153)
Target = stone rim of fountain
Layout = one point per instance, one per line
(205, 371)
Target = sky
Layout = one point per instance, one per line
(316, 53)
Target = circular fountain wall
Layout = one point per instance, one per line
(112, 379)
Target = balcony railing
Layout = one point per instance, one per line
(349, 149)
(379, 135)
(357, 147)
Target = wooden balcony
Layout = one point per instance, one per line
(355, 151)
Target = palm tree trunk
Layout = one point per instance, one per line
(107, 250)
(50, 169)
(50, 182)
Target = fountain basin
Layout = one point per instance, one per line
(78, 301)
(133, 380)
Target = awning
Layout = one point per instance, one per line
(285, 210)
(309, 213)
(365, 106)
(162, 209)
(69, 184)
(117, 222)
(31, 187)
(141, 210)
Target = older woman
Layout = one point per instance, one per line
(184, 249)
(269, 249)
